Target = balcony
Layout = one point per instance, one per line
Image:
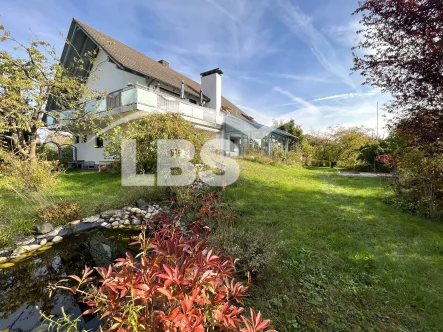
(142, 98)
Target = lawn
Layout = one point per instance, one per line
(350, 261)
(94, 192)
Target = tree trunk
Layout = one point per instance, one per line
(32, 150)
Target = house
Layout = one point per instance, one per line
(136, 82)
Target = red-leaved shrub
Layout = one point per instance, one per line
(176, 283)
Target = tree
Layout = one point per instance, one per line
(406, 39)
(146, 131)
(30, 76)
(293, 129)
(339, 144)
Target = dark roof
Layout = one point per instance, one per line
(131, 59)
(274, 131)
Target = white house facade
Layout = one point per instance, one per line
(135, 82)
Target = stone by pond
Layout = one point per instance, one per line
(37, 261)
(23, 284)
(126, 218)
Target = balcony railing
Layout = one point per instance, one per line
(145, 99)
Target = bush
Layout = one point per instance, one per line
(372, 155)
(253, 251)
(278, 157)
(146, 132)
(176, 283)
(419, 186)
(59, 213)
(24, 176)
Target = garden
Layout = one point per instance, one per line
(293, 244)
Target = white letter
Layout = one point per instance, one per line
(130, 178)
(211, 155)
(169, 158)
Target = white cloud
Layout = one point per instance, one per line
(301, 25)
(345, 96)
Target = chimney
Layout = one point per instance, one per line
(211, 85)
(164, 63)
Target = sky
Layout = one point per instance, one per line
(282, 59)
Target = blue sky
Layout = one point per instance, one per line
(282, 59)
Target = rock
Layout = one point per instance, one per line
(108, 226)
(5, 252)
(111, 219)
(75, 222)
(57, 239)
(44, 228)
(121, 226)
(128, 208)
(31, 247)
(104, 224)
(110, 213)
(121, 222)
(18, 252)
(64, 232)
(26, 241)
(3, 260)
(115, 223)
(6, 265)
(140, 202)
(92, 219)
(136, 222)
(84, 227)
(107, 250)
(51, 234)
(43, 242)
(126, 222)
(138, 215)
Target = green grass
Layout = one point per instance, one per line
(350, 261)
(94, 192)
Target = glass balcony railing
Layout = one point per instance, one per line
(145, 99)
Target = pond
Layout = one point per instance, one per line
(24, 286)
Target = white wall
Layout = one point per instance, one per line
(211, 86)
(88, 152)
(108, 77)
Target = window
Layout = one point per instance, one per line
(192, 101)
(98, 142)
(114, 100)
(80, 139)
(233, 144)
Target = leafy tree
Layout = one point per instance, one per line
(32, 74)
(371, 150)
(406, 39)
(147, 131)
(340, 144)
(293, 129)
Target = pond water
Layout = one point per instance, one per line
(24, 286)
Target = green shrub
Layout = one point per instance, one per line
(59, 213)
(24, 176)
(278, 157)
(146, 132)
(254, 251)
(419, 186)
